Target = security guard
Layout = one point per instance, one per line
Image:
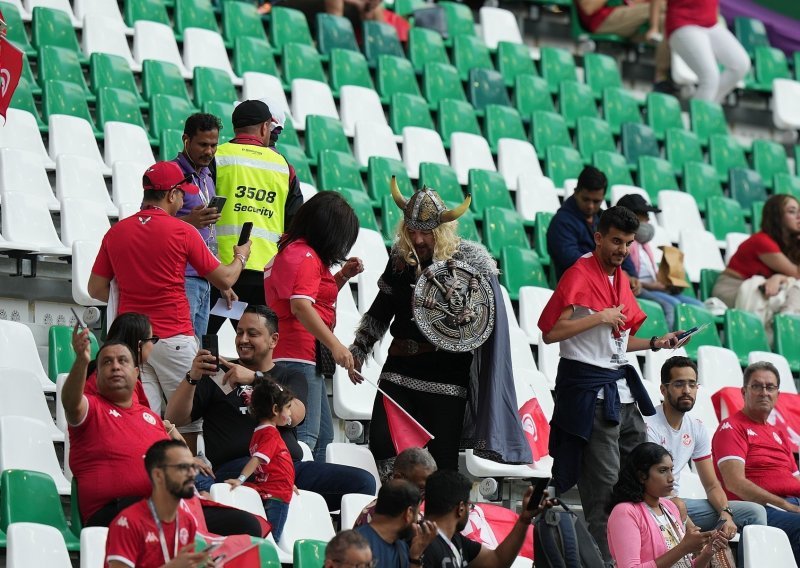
(256, 180)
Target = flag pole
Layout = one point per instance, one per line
(380, 390)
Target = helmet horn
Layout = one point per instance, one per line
(453, 214)
(398, 197)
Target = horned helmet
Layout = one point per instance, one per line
(425, 210)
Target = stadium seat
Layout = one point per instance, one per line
(395, 75)
(12, 14)
(84, 220)
(242, 497)
(707, 119)
(656, 322)
(22, 99)
(337, 170)
(126, 182)
(459, 20)
(22, 396)
(593, 135)
(541, 224)
(531, 94)
(239, 20)
(106, 70)
(409, 110)
(373, 139)
(520, 266)
(708, 277)
(751, 33)
(682, 147)
(362, 205)
(514, 60)
(380, 39)
(700, 251)
(17, 346)
(488, 192)
(548, 129)
(532, 300)
(390, 217)
(163, 78)
(787, 339)
(725, 153)
(353, 455)
(118, 105)
(324, 133)
(601, 72)
(297, 158)
(379, 177)
(349, 68)
(620, 107)
(517, 158)
(576, 100)
(205, 48)
(309, 553)
(26, 444)
(638, 140)
(766, 546)
(784, 183)
(168, 112)
(770, 64)
(663, 113)
(302, 62)
(678, 212)
(334, 32)
(688, 316)
(60, 64)
(443, 179)
(93, 547)
(213, 85)
(194, 14)
(562, 164)
(352, 505)
(78, 177)
(151, 10)
(701, 182)
(311, 97)
(486, 88)
(261, 85)
(615, 167)
(308, 518)
(557, 65)
(440, 81)
(254, 55)
(153, 40)
(503, 122)
(422, 145)
(425, 46)
(724, 215)
(23, 171)
(717, 368)
(288, 25)
(103, 34)
(655, 175)
(27, 225)
(35, 544)
(536, 194)
(769, 159)
(54, 27)
(64, 98)
(456, 116)
(469, 53)
(654, 360)
(784, 372)
(126, 142)
(467, 152)
(499, 25)
(785, 113)
(170, 143)
(746, 187)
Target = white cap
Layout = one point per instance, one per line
(277, 110)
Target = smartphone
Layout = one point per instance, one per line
(211, 343)
(686, 333)
(538, 493)
(244, 236)
(720, 524)
(218, 203)
(81, 324)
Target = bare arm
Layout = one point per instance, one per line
(780, 263)
(75, 404)
(505, 553)
(566, 327)
(732, 472)
(179, 408)
(99, 287)
(225, 275)
(353, 267)
(589, 7)
(640, 343)
(715, 493)
(248, 470)
(655, 15)
(305, 313)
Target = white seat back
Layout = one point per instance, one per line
(619, 190)
(73, 135)
(367, 288)
(82, 178)
(516, 158)
(21, 131)
(18, 350)
(359, 104)
(422, 145)
(731, 244)
(126, 143)
(21, 395)
(499, 25)
(785, 112)
(766, 546)
(23, 170)
(32, 544)
(311, 97)
(699, 251)
(84, 254)
(205, 48)
(374, 139)
(718, 367)
(468, 152)
(105, 34)
(353, 455)
(126, 182)
(780, 362)
(352, 505)
(535, 194)
(263, 86)
(93, 547)
(370, 249)
(678, 212)
(654, 360)
(26, 219)
(308, 518)
(26, 443)
(548, 358)
(153, 40)
(242, 497)
(351, 401)
(532, 300)
(83, 220)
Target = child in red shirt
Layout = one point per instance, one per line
(271, 461)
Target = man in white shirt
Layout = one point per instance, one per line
(687, 438)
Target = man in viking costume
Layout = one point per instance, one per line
(449, 363)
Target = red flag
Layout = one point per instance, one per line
(490, 525)
(536, 428)
(247, 558)
(10, 72)
(405, 431)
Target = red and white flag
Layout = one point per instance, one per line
(535, 427)
(490, 525)
(10, 70)
(405, 431)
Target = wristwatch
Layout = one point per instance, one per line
(258, 376)
(727, 510)
(190, 380)
(653, 344)
(415, 561)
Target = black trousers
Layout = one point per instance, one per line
(249, 288)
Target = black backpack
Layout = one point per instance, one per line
(561, 540)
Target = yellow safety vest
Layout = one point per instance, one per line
(255, 180)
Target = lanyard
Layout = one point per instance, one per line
(161, 536)
(671, 527)
(459, 561)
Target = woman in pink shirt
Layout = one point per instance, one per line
(695, 33)
(645, 528)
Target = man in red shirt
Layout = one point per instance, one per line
(159, 531)
(753, 458)
(146, 255)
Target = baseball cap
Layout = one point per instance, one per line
(164, 176)
(637, 204)
(250, 112)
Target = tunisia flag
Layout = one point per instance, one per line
(10, 71)
(405, 431)
(536, 428)
(490, 525)
(247, 558)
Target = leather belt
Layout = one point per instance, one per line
(409, 347)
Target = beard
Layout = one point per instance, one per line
(181, 490)
(407, 533)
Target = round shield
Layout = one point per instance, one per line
(453, 306)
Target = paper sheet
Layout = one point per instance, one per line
(221, 309)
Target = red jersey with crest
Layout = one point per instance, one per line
(274, 476)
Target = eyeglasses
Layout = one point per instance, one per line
(470, 505)
(182, 467)
(371, 564)
(152, 340)
(756, 387)
(680, 385)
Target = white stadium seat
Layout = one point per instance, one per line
(359, 104)
(93, 547)
(126, 182)
(205, 48)
(498, 25)
(780, 362)
(26, 443)
(81, 178)
(82, 220)
(422, 145)
(717, 368)
(21, 131)
(21, 395)
(27, 222)
(374, 139)
(261, 85)
(532, 300)
(352, 505)
(105, 34)
(84, 254)
(699, 251)
(308, 518)
(536, 194)
(32, 544)
(73, 135)
(152, 40)
(18, 350)
(468, 152)
(23, 170)
(678, 212)
(353, 455)
(785, 110)
(517, 158)
(126, 143)
(766, 546)
(311, 97)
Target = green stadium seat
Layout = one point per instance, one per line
(663, 113)
(724, 215)
(724, 153)
(769, 159)
(593, 135)
(409, 110)
(502, 228)
(439, 82)
(707, 119)
(22, 99)
(557, 65)
(241, 19)
(297, 158)
(362, 205)
(53, 27)
(503, 122)
(119, 105)
(390, 218)
(338, 170)
(27, 75)
(443, 179)
(681, 147)
(222, 110)
(755, 217)
(334, 32)
(395, 75)
(520, 266)
(701, 182)
(349, 68)
(162, 78)
(602, 72)
(619, 107)
(656, 322)
(456, 116)
(746, 187)
(708, 278)
(460, 20)
(787, 339)
(787, 183)
(638, 140)
(540, 225)
(576, 100)
(379, 176)
(170, 143)
(60, 97)
(406, 8)
(194, 14)
(324, 133)
(380, 39)
(151, 10)
(302, 62)
(688, 316)
(531, 94)
(289, 134)
(488, 189)
(309, 553)
(426, 46)
(770, 64)
(656, 174)
(469, 52)
(59, 64)
(16, 29)
(562, 164)
(253, 54)
(486, 87)
(615, 166)
(549, 129)
(168, 112)
(796, 66)
(514, 60)
(32, 497)
(744, 332)
(288, 25)
(106, 70)
(751, 33)
(60, 355)
(212, 84)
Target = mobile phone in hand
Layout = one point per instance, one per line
(218, 203)
(211, 343)
(538, 493)
(686, 333)
(81, 324)
(720, 524)
(244, 236)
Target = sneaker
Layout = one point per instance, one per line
(668, 87)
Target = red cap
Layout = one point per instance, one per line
(164, 176)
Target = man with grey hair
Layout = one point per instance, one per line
(348, 548)
(754, 459)
(414, 465)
